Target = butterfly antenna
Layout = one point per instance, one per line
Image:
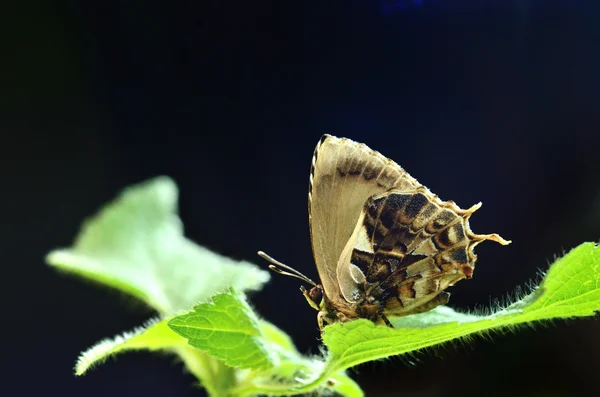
(279, 267)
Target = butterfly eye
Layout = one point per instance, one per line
(316, 295)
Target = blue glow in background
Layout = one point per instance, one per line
(398, 6)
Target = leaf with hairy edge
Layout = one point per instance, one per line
(571, 288)
(136, 244)
(155, 336)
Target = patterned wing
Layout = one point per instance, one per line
(410, 246)
(344, 174)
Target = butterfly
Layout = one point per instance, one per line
(384, 245)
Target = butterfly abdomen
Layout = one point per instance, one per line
(412, 247)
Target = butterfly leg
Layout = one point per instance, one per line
(385, 320)
(310, 301)
(321, 320)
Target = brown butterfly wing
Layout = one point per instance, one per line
(412, 246)
(343, 176)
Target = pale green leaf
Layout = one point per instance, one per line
(277, 337)
(157, 336)
(227, 329)
(136, 244)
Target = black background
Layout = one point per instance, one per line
(479, 100)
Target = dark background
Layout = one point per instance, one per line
(479, 100)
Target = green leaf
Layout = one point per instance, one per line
(571, 288)
(226, 329)
(345, 386)
(157, 336)
(136, 244)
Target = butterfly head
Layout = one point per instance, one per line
(314, 297)
(316, 294)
